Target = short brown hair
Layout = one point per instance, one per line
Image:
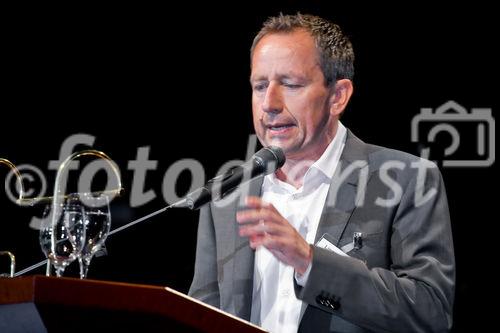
(334, 48)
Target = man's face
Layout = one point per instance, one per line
(290, 101)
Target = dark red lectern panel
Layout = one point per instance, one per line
(49, 304)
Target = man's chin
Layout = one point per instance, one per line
(284, 144)
(287, 148)
(278, 143)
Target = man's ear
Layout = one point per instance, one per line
(342, 94)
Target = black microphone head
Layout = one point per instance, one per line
(269, 159)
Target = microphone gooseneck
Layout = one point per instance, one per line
(265, 161)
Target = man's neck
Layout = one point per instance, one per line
(293, 172)
(296, 166)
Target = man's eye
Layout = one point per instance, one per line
(260, 87)
(292, 86)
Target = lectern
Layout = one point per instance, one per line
(50, 304)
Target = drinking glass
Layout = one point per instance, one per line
(97, 225)
(62, 234)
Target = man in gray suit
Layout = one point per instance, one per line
(346, 236)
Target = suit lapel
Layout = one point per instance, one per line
(243, 258)
(341, 198)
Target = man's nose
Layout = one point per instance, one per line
(273, 100)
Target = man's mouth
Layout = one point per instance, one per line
(279, 127)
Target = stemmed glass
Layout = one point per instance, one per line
(62, 234)
(97, 225)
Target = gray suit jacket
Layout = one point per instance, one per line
(401, 278)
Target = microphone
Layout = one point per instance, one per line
(265, 161)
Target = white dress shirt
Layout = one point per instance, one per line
(274, 305)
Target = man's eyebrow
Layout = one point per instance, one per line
(295, 76)
(258, 78)
(280, 77)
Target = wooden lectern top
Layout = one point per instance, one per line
(68, 304)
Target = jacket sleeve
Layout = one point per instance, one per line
(205, 285)
(415, 293)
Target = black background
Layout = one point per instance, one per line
(176, 80)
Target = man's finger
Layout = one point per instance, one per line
(255, 202)
(255, 215)
(262, 227)
(251, 230)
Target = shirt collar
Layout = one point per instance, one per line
(330, 157)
